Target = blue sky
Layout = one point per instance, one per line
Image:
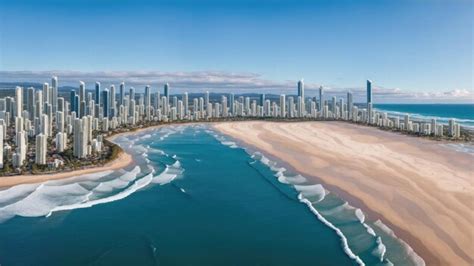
(416, 46)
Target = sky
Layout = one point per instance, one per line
(418, 48)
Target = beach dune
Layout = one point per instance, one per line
(423, 190)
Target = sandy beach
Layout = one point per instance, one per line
(123, 160)
(421, 189)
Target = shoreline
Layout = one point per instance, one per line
(123, 160)
(5, 181)
(413, 242)
(418, 244)
(264, 140)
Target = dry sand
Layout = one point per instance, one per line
(421, 189)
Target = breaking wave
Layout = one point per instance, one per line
(359, 240)
(85, 191)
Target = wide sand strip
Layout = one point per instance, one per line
(420, 188)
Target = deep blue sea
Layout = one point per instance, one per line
(193, 197)
(463, 113)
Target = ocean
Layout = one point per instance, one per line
(193, 197)
(463, 113)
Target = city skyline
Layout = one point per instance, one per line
(223, 82)
(245, 44)
(87, 117)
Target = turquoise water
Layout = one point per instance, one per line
(463, 113)
(194, 197)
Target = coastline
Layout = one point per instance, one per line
(428, 237)
(123, 160)
(413, 242)
(421, 245)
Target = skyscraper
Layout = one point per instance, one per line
(231, 104)
(30, 102)
(19, 101)
(97, 92)
(21, 148)
(39, 103)
(122, 93)
(334, 107)
(262, 99)
(206, 98)
(186, 103)
(147, 103)
(167, 91)
(350, 104)
(369, 101)
(112, 105)
(72, 96)
(105, 102)
(54, 93)
(131, 96)
(82, 91)
(369, 92)
(320, 106)
(78, 138)
(41, 148)
(301, 89)
(46, 93)
(282, 105)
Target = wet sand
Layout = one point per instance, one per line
(419, 188)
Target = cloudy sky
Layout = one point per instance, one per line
(414, 51)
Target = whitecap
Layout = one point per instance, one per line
(345, 244)
(316, 191)
(415, 258)
(138, 184)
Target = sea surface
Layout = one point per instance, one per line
(194, 197)
(463, 113)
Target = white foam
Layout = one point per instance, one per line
(380, 249)
(169, 174)
(165, 177)
(415, 258)
(316, 191)
(345, 244)
(16, 192)
(360, 215)
(177, 164)
(43, 199)
(138, 184)
(117, 183)
(147, 136)
(297, 179)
